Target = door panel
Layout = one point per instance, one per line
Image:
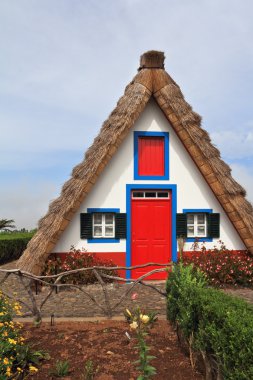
(151, 234)
(151, 156)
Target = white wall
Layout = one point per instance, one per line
(110, 189)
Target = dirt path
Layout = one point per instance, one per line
(106, 346)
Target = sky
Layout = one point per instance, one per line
(65, 63)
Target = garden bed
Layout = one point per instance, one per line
(105, 346)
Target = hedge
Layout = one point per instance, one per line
(11, 249)
(217, 325)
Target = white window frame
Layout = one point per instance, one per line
(195, 225)
(144, 192)
(103, 224)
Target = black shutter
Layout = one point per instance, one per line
(120, 226)
(181, 225)
(213, 225)
(86, 226)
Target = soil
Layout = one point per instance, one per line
(105, 344)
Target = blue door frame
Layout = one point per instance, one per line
(129, 188)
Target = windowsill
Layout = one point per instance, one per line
(199, 240)
(103, 240)
(151, 178)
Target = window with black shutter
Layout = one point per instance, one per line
(103, 225)
(198, 225)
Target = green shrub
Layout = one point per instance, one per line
(180, 288)
(219, 325)
(11, 247)
(16, 359)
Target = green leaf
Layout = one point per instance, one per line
(150, 368)
(150, 357)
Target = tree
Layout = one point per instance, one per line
(6, 224)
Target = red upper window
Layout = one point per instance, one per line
(151, 156)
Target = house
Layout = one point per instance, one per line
(151, 174)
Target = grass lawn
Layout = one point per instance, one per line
(15, 235)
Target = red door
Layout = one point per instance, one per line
(151, 230)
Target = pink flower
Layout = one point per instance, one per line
(134, 296)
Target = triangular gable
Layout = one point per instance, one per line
(151, 80)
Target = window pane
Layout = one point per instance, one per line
(109, 231)
(190, 218)
(162, 195)
(138, 194)
(201, 218)
(97, 218)
(190, 231)
(201, 230)
(150, 194)
(109, 218)
(97, 231)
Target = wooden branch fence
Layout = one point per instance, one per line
(27, 281)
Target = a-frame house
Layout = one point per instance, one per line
(151, 174)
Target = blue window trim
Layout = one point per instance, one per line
(166, 155)
(103, 240)
(129, 189)
(198, 211)
(91, 210)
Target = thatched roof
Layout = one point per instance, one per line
(151, 81)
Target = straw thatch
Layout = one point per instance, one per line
(151, 81)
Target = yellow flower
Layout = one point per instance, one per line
(144, 318)
(6, 360)
(129, 313)
(133, 325)
(17, 308)
(1, 313)
(1, 324)
(33, 369)
(8, 371)
(12, 341)
(19, 369)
